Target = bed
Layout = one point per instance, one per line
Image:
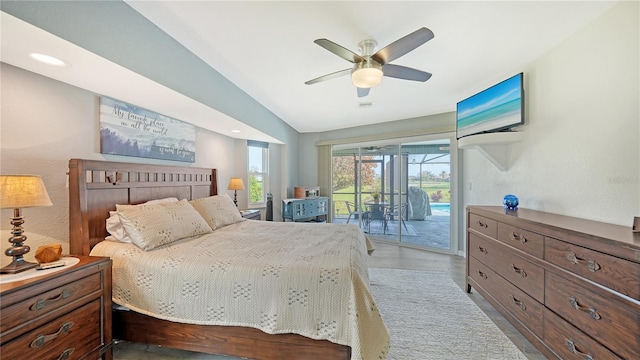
(95, 187)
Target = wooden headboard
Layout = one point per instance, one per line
(95, 187)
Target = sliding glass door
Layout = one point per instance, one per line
(429, 194)
(396, 192)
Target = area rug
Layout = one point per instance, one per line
(430, 318)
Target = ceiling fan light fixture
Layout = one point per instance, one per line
(367, 74)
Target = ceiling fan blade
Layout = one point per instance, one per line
(329, 76)
(402, 46)
(405, 73)
(343, 52)
(362, 92)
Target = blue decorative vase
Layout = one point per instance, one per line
(510, 202)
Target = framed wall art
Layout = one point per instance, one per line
(129, 130)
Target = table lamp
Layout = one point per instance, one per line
(235, 184)
(17, 192)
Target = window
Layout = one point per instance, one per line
(258, 163)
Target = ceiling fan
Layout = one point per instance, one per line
(369, 68)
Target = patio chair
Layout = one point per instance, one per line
(396, 211)
(353, 210)
(376, 211)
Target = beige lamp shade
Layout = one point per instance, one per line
(17, 192)
(22, 191)
(235, 184)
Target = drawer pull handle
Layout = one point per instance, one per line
(518, 237)
(572, 347)
(592, 312)
(483, 224)
(591, 264)
(65, 354)
(482, 275)
(518, 271)
(482, 250)
(522, 306)
(40, 340)
(42, 303)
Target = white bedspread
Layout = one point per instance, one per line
(308, 279)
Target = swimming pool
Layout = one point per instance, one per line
(440, 207)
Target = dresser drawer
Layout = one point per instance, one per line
(615, 273)
(521, 239)
(520, 272)
(35, 306)
(570, 343)
(74, 334)
(613, 323)
(483, 225)
(519, 304)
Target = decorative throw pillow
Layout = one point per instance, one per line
(218, 210)
(114, 226)
(153, 225)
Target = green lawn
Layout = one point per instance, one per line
(431, 188)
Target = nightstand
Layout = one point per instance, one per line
(251, 214)
(61, 314)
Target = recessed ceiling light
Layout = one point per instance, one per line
(47, 59)
(235, 131)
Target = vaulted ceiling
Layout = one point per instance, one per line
(267, 49)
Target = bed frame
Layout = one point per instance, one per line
(94, 189)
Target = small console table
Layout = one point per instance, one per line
(307, 209)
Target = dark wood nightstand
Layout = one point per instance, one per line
(251, 214)
(64, 314)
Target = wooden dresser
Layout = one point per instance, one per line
(62, 315)
(571, 286)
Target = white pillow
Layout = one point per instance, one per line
(153, 225)
(218, 210)
(115, 229)
(114, 226)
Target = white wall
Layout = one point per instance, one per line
(44, 123)
(580, 155)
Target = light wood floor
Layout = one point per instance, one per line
(385, 256)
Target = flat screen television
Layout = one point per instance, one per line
(497, 108)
